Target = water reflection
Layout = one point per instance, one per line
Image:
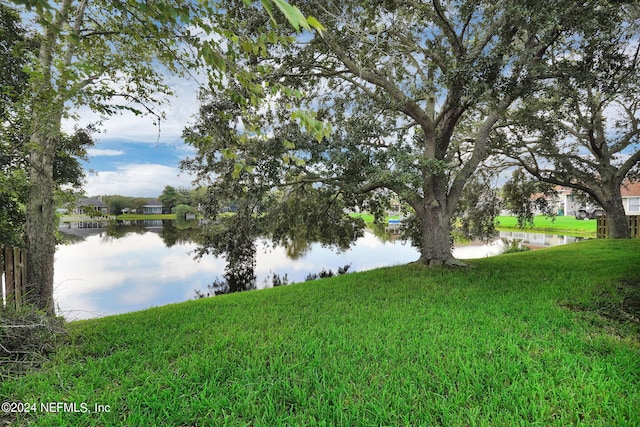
(103, 275)
(539, 240)
(170, 231)
(122, 267)
(128, 267)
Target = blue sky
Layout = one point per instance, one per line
(131, 157)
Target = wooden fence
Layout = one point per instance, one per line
(13, 262)
(634, 226)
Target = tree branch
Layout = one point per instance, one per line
(405, 104)
(449, 32)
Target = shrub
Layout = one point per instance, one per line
(513, 246)
(280, 281)
(323, 274)
(181, 211)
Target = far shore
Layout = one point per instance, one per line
(562, 224)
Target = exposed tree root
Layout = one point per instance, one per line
(449, 262)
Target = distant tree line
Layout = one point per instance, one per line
(172, 199)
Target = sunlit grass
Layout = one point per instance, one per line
(489, 345)
(369, 218)
(559, 224)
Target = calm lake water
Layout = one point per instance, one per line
(144, 266)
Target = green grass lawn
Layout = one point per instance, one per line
(560, 224)
(368, 218)
(518, 339)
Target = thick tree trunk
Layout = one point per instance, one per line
(617, 222)
(40, 225)
(610, 198)
(436, 238)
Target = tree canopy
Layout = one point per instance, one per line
(17, 47)
(580, 128)
(402, 99)
(101, 54)
(12, 83)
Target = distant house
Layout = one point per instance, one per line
(631, 197)
(86, 204)
(568, 202)
(153, 206)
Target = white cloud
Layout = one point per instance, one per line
(94, 152)
(178, 111)
(186, 150)
(136, 180)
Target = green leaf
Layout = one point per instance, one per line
(314, 23)
(266, 4)
(293, 15)
(212, 57)
(237, 169)
(229, 153)
(327, 130)
(30, 4)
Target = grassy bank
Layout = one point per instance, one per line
(560, 224)
(517, 340)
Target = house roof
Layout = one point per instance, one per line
(630, 189)
(91, 201)
(153, 202)
(563, 190)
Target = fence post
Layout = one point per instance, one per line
(601, 227)
(14, 261)
(9, 275)
(23, 271)
(634, 226)
(17, 276)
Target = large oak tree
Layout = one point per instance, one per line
(581, 129)
(412, 91)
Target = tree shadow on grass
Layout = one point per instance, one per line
(621, 304)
